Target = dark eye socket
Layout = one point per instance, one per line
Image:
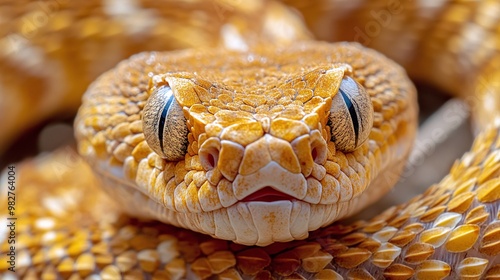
(164, 125)
(351, 115)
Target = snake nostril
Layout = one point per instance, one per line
(314, 153)
(209, 154)
(318, 154)
(209, 159)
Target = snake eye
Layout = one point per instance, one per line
(164, 125)
(351, 116)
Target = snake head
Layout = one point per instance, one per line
(254, 147)
(262, 148)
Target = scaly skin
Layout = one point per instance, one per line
(256, 128)
(50, 51)
(451, 44)
(449, 231)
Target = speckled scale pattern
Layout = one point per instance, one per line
(396, 244)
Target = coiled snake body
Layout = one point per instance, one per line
(263, 149)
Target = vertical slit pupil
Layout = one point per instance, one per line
(167, 91)
(351, 109)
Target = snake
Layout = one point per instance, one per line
(222, 163)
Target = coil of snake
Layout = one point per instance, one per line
(262, 149)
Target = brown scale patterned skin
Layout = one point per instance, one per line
(452, 230)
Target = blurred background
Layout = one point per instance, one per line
(51, 50)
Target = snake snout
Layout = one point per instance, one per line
(269, 149)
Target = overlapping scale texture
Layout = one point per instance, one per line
(105, 243)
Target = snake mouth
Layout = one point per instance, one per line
(267, 194)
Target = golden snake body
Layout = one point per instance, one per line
(264, 115)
